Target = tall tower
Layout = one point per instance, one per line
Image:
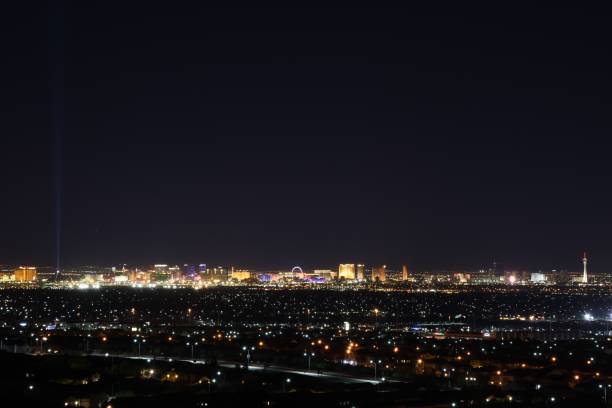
(585, 278)
(405, 272)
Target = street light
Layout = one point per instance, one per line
(248, 354)
(287, 381)
(210, 382)
(605, 391)
(309, 355)
(374, 362)
(41, 343)
(139, 341)
(195, 343)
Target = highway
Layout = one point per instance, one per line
(330, 376)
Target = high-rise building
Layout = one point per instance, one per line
(176, 274)
(498, 269)
(405, 272)
(360, 272)
(189, 271)
(161, 273)
(379, 273)
(25, 274)
(346, 271)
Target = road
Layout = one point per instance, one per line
(332, 376)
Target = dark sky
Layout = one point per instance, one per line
(447, 137)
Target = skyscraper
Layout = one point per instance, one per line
(360, 272)
(498, 268)
(346, 271)
(379, 273)
(25, 274)
(161, 273)
(405, 272)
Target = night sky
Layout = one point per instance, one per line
(448, 137)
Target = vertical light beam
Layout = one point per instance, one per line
(56, 70)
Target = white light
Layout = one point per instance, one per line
(588, 316)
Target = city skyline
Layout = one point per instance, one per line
(579, 266)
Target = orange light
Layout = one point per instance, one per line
(104, 338)
(326, 347)
(395, 349)
(261, 344)
(576, 377)
(553, 359)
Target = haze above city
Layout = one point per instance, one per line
(438, 138)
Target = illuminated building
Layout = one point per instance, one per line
(379, 273)
(201, 272)
(324, 273)
(217, 274)
(138, 276)
(189, 271)
(461, 277)
(240, 274)
(346, 271)
(160, 273)
(360, 272)
(120, 279)
(405, 272)
(175, 273)
(25, 274)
